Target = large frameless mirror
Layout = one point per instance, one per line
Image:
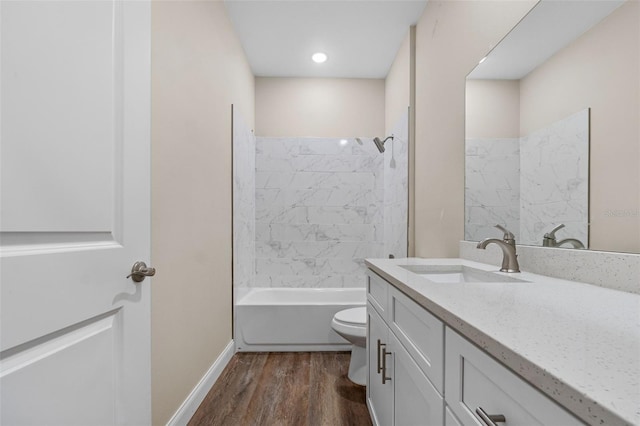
(552, 133)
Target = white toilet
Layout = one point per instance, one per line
(352, 325)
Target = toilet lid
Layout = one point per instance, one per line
(357, 316)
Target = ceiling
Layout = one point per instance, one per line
(549, 27)
(360, 37)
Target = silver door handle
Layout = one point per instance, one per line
(379, 347)
(139, 271)
(490, 419)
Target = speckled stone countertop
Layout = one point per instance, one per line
(577, 343)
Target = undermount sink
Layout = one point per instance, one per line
(458, 274)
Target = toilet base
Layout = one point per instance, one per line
(358, 365)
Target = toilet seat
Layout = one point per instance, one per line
(353, 316)
(351, 324)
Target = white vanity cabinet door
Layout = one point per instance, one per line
(379, 395)
(416, 400)
(475, 380)
(421, 333)
(450, 419)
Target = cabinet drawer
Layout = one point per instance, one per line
(475, 380)
(378, 293)
(421, 333)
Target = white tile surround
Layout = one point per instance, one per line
(307, 211)
(319, 211)
(530, 184)
(617, 271)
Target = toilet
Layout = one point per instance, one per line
(352, 325)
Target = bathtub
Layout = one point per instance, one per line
(292, 319)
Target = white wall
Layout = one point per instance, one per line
(198, 71)
(319, 107)
(452, 36)
(492, 109)
(397, 86)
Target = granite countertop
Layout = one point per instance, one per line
(577, 343)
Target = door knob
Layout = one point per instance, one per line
(140, 270)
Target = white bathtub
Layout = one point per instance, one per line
(292, 319)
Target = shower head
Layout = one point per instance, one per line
(380, 144)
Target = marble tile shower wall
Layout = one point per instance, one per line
(492, 187)
(244, 205)
(319, 211)
(554, 180)
(396, 191)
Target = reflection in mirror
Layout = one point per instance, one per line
(532, 184)
(552, 134)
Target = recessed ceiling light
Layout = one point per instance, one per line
(343, 141)
(319, 57)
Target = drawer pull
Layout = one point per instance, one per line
(379, 347)
(385, 379)
(490, 419)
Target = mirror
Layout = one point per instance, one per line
(552, 134)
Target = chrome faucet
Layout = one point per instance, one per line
(549, 239)
(508, 246)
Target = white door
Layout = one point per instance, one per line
(75, 140)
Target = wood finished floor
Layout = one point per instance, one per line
(285, 389)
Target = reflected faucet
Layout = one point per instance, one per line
(577, 244)
(549, 239)
(508, 246)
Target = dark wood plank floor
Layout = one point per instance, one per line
(285, 389)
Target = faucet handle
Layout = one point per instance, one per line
(552, 234)
(508, 236)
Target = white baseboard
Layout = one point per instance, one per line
(197, 395)
(296, 348)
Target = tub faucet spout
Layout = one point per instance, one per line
(508, 246)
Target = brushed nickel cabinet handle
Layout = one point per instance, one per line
(385, 379)
(490, 419)
(379, 347)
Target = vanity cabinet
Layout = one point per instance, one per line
(449, 418)
(414, 378)
(399, 390)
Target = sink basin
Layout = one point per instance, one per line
(458, 274)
